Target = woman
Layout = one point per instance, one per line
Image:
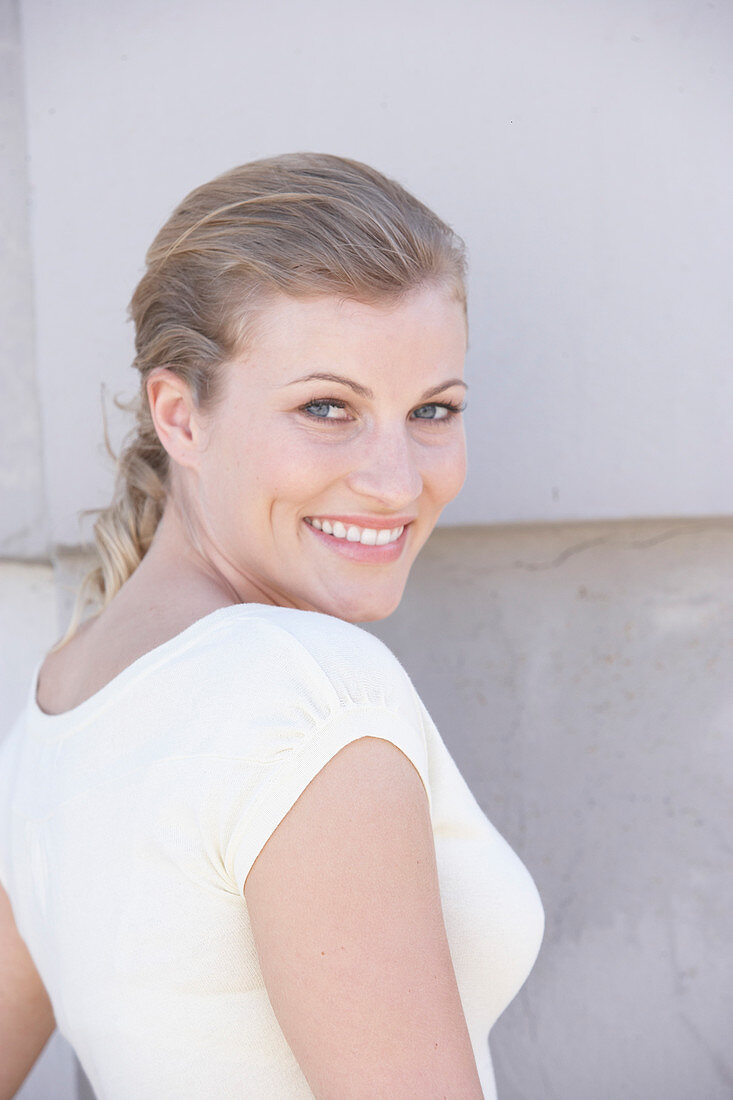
(239, 856)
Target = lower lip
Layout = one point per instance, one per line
(357, 551)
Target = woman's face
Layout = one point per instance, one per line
(333, 450)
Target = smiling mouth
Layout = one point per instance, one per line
(367, 536)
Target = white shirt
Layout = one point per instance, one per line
(128, 826)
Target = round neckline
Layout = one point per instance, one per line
(145, 663)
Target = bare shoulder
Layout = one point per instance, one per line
(345, 909)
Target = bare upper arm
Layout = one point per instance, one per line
(346, 915)
(26, 1016)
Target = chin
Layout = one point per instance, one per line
(364, 607)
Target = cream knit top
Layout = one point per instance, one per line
(128, 826)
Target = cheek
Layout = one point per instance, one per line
(447, 471)
(294, 473)
(229, 479)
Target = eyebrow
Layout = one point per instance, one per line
(364, 391)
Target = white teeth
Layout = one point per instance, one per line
(367, 536)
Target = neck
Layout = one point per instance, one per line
(177, 563)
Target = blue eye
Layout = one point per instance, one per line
(444, 411)
(319, 410)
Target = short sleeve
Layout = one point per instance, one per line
(261, 703)
(295, 772)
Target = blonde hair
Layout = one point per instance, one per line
(301, 224)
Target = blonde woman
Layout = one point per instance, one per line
(238, 859)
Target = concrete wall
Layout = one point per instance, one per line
(23, 514)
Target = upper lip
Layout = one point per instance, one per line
(375, 522)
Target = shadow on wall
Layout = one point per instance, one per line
(85, 1091)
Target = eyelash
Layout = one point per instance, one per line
(452, 409)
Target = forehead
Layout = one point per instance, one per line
(427, 326)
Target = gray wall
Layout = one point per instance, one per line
(23, 516)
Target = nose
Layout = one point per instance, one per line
(387, 470)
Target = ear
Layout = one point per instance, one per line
(175, 415)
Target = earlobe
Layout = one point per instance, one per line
(173, 411)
